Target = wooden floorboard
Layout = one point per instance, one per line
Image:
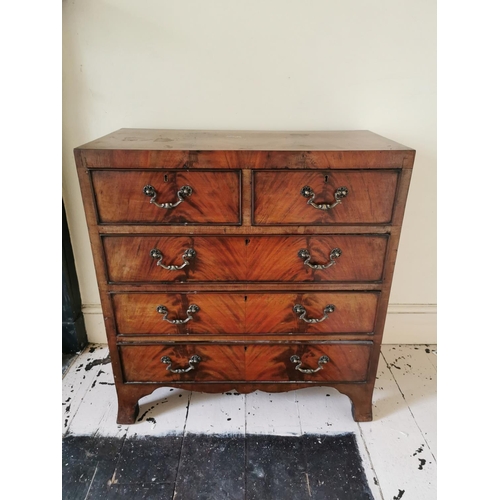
(417, 383)
(88, 463)
(76, 384)
(164, 412)
(276, 468)
(221, 413)
(211, 467)
(150, 460)
(334, 468)
(272, 413)
(397, 451)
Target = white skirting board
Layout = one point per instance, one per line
(405, 324)
(411, 324)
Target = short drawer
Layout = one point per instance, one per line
(238, 313)
(191, 362)
(312, 258)
(341, 362)
(199, 197)
(324, 197)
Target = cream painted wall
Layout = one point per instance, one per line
(261, 64)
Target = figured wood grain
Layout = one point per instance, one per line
(217, 258)
(149, 148)
(120, 197)
(219, 313)
(218, 363)
(273, 312)
(234, 258)
(237, 313)
(347, 362)
(278, 199)
(275, 258)
(246, 160)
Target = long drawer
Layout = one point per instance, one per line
(201, 197)
(312, 258)
(294, 362)
(324, 197)
(238, 313)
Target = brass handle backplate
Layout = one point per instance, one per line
(192, 309)
(340, 193)
(186, 256)
(192, 364)
(321, 361)
(301, 311)
(334, 254)
(183, 193)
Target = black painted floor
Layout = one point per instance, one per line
(201, 467)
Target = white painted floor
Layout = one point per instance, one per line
(399, 447)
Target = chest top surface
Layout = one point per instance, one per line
(245, 140)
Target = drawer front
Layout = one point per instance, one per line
(341, 362)
(162, 363)
(130, 258)
(238, 313)
(353, 312)
(328, 258)
(345, 362)
(214, 199)
(217, 313)
(279, 198)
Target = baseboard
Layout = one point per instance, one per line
(411, 324)
(94, 323)
(405, 324)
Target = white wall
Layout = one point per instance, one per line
(261, 64)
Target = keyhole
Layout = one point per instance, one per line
(165, 178)
(326, 178)
(247, 242)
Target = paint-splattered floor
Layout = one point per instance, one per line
(300, 445)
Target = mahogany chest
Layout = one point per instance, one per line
(244, 260)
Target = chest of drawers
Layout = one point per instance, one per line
(244, 260)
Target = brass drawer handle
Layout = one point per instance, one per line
(186, 256)
(301, 310)
(192, 309)
(334, 254)
(192, 362)
(321, 361)
(340, 193)
(184, 192)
